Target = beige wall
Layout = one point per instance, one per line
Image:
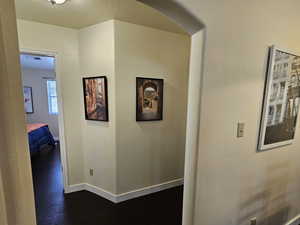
(97, 58)
(150, 153)
(64, 42)
(124, 154)
(36, 79)
(103, 146)
(15, 172)
(234, 182)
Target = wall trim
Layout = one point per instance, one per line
(294, 220)
(74, 188)
(124, 196)
(149, 190)
(56, 139)
(101, 192)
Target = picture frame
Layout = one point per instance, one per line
(28, 100)
(96, 98)
(149, 99)
(281, 100)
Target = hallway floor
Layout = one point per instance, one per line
(84, 208)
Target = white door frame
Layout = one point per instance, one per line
(61, 126)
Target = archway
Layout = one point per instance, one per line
(196, 29)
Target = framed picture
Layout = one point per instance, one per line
(149, 99)
(95, 98)
(281, 100)
(28, 102)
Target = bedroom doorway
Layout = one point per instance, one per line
(41, 103)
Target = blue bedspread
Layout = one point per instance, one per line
(38, 138)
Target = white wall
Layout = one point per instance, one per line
(35, 78)
(192, 131)
(125, 155)
(234, 182)
(64, 42)
(150, 153)
(97, 56)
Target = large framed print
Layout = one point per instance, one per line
(28, 101)
(95, 98)
(281, 100)
(149, 99)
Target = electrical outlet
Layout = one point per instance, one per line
(91, 172)
(253, 221)
(240, 130)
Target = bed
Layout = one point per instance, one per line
(39, 135)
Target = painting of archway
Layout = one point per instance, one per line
(149, 97)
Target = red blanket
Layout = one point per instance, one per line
(34, 126)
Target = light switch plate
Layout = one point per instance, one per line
(253, 221)
(240, 130)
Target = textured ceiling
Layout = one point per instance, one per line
(82, 13)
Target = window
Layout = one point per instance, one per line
(52, 97)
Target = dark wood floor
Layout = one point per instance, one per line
(84, 208)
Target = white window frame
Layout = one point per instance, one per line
(50, 96)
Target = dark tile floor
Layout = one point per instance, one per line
(84, 208)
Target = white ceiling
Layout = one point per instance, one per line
(31, 62)
(81, 13)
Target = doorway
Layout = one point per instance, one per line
(41, 103)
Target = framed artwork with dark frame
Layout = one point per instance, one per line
(149, 99)
(281, 100)
(28, 100)
(95, 98)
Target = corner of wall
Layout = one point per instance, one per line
(97, 58)
(148, 52)
(101, 50)
(115, 112)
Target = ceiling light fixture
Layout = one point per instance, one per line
(57, 2)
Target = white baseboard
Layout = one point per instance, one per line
(102, 193)
(124, 196)
(56, 138)
(75, 188)
(294, 221)
(149, 190)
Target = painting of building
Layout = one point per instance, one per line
(95, 98)
(281, 103)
